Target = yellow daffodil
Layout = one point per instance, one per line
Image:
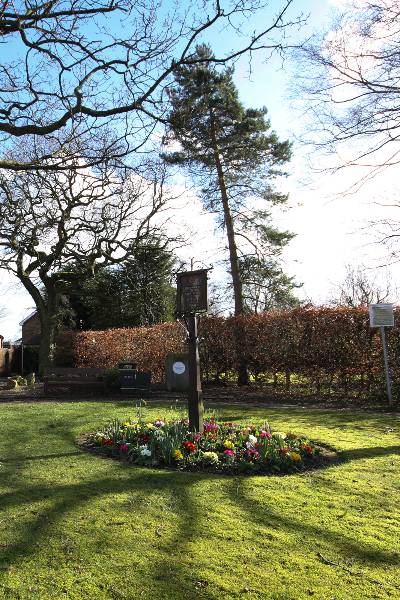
(177, 454)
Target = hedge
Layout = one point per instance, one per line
(320, 346)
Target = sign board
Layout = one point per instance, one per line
(192, 292)
(177, 372)
(381, 315)
(178, 367)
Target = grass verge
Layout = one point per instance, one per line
(76, 526)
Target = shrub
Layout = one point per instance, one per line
(328, 349)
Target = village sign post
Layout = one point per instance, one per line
(381, 315)
(191, 302)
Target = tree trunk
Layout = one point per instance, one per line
(48, 323)
(233, 255)
(47, 344)
(47, 312)
(243, 377)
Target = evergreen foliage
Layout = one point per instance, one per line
(234, 157)
(266, 287)
(137, 292)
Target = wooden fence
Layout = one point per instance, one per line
(7, 361)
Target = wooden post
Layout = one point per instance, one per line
(192, 299)
(195, 398)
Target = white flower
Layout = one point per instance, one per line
(252, 439)
(159, 434)
(144, 450)
(279, 434)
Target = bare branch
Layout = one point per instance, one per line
(68, 67)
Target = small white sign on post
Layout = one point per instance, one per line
(178, 368)
(381, 315)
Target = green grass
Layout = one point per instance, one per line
(73, 525)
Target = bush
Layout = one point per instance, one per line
(328, 350)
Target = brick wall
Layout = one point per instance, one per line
(31, 331)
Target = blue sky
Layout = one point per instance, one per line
(332, 230)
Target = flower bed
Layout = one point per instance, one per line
(222, 448)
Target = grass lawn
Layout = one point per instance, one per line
(73, 525)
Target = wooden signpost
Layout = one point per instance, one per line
(191, 302)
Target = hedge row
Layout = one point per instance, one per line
(146, 346)
(325, 346)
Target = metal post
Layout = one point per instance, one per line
(386, 362)
(195, 399)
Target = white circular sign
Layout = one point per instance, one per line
(178, 367)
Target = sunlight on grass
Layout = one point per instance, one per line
(76, 526)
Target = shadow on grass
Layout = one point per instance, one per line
(22, 459)
(64, 499)
(36, 522)
(264, 515)
(375, 452)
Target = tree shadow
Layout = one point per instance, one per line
(36, 526)
(22, 459)
(261, 514)
(374, 452)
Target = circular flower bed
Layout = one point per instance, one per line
(222, 448)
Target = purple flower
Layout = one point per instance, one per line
(211, 426)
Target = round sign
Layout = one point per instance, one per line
(178, 367)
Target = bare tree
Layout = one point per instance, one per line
(53, 222)
(77, 69)
(360, 288)
(349, 82)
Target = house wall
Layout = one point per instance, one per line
(31, 331)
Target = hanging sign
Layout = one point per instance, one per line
(381, 315)
(192, 292)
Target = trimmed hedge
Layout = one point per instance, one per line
(322, 347)
(147, 346)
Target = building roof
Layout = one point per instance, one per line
(28, 318)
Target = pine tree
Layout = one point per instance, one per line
(234, 156)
